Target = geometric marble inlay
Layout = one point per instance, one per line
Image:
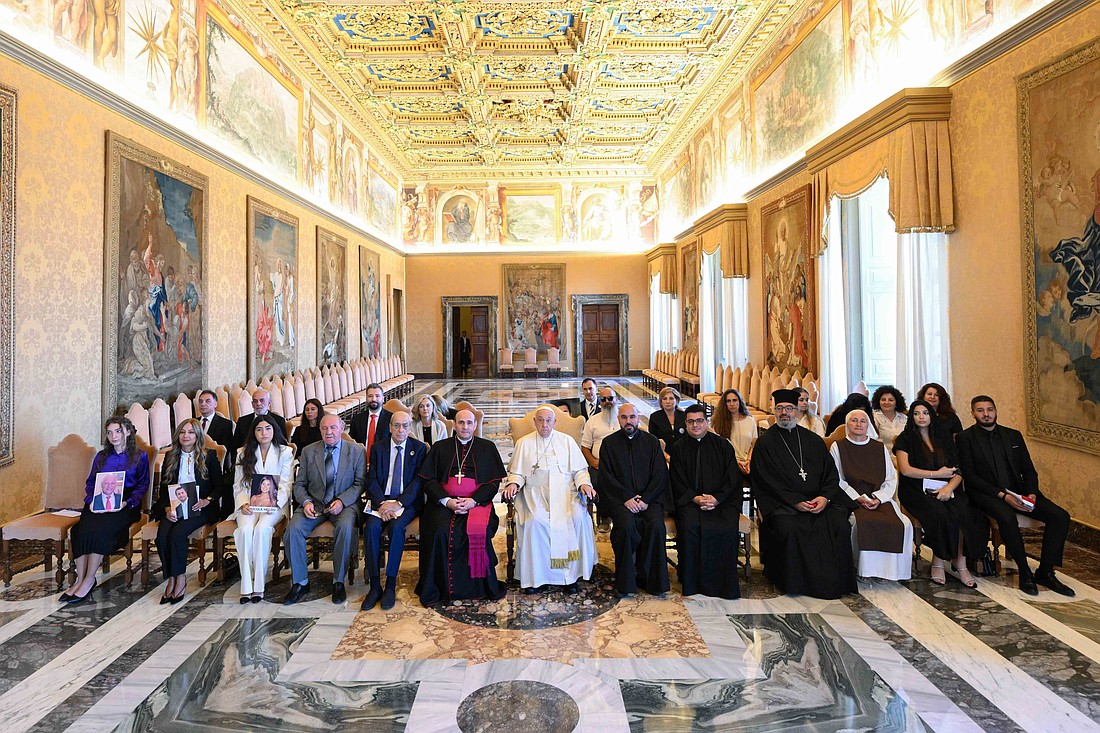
(504, 707)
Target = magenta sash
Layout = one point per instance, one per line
(477, 524)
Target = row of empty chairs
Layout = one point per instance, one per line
(756, 385)
(506, 363)
(665, 371)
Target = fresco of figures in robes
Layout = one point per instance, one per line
(533, 313)
(370, 303)
(332, 297)
(790, 329)
(272, 290)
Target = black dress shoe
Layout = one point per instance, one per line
(257, 597)
(296, 593)
(1054, 584)
(570, 589)
(389, 596)
(373, 596)
(1027, 585)
(530, 591)
(178, 599)
(339, 595)
(244, 600)
(165, 600)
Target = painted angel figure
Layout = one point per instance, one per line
(1080, 256)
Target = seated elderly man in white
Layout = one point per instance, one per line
(548, 477)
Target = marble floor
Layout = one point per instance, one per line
(897, 657)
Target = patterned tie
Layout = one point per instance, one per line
(330, 469)
(204, 422)
(395, 482)
(370, 433)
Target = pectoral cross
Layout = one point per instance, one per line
(459, 475)
(535, 467)
(802, 473)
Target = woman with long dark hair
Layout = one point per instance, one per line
(265, 454)
(936, 396)
(309, 431)
(931, 490)
(188, 461)
(734, 423)
(107, 528)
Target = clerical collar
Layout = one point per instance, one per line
(463, 442)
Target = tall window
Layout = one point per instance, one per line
(664, 320)
(723, 305)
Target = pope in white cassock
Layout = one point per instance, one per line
(548, 477)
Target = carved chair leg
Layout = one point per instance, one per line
(47, 557)
(59, 573)
(200, 549)
(276, 548)
(72, 564)
(145, 562)
(219, 552)
(316, 554)
(6, 551)
(128, 553)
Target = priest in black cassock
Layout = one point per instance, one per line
(460, 477)
(706, 488)
(805, 538)
(634, 491)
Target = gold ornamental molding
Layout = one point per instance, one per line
(920, 104)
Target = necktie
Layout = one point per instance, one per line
(330, 470)
(204, 422)
(396, 481)
(370, 433)
(110, 503)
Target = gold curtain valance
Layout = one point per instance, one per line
(726, 229)
(662, 262)
(905, 138)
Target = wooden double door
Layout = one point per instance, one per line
(600, 338)
(477, 317)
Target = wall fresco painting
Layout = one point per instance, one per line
(790, 330)
(332, 297)
(370, 303)
(533, 310)
(272, 290)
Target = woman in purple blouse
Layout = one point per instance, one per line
(100, 533)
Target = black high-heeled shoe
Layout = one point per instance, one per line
(76, 600)
(177, 599)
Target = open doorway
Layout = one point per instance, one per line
(469, 336)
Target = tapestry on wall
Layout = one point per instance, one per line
(689, 295)
(790, 330)
(370, 303)
(534, 316)
(1060, 190)
(531, 216)
(7, 274)
(332, 297)
(272, 290)
(154, 262)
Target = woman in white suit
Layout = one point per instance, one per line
(428, 426)
(265, 454)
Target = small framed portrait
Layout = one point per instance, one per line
(183, 498)
(108, 491)
(265, 493)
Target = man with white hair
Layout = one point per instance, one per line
(548, 478)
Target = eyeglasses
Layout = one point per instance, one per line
(785, 408)
(607, 399)
(696, 421)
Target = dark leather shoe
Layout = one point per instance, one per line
(65, 598)
(389, 596)
(177, 599)
(373, 596)
(339, 595)
(1027, 585)
(1048, 580)
(570, 589)
(297, 592)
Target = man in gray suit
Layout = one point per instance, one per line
(327, 489)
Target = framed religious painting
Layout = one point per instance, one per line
(1061, 249)
(155, 305)
(7, 274)
(272, 290)
(332, 297)
(533, 307)
(689, 294)
(370, 303)
(790, 292)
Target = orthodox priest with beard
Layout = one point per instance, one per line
(460, 478)
(805, 537)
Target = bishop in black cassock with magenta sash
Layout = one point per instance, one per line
(805, 537)
(460, 477)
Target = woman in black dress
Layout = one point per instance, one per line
(107, 528)
(309, 431)
(667, 423)
(188, 461)
(936, 396)
(925, 452)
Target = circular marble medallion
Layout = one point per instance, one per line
(546, 609)
(505, 707)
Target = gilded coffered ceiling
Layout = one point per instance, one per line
(480, 89)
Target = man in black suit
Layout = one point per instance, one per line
(217, 428)
(261, 404)
(997, 469)
(464, 351)
(372, 426)
(589, 405)
(393, 489)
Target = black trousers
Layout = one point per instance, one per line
(639, 544)
(1054, 535)
(172, 542)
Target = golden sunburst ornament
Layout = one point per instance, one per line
(144, 25)
(894, 21)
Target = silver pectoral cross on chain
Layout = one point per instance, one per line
(802, 473)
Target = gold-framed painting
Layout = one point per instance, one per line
(272, 290)
(370, 303)
(689, 294)
(154, 303)
(531, 215)
(1061, 249)
(790, 287)
(332, 297)
(8, 102)
(533, 307)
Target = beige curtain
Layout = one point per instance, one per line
(731, 236)
(664, 265)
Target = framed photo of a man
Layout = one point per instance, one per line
(182, 497)
(107, 495)
(264, 497)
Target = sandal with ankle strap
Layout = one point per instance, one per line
(939, 575)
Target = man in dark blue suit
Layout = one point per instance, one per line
(393, 490)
